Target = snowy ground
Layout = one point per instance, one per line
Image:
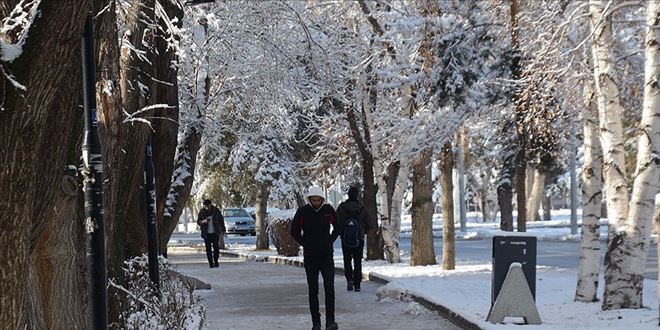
(467, 289)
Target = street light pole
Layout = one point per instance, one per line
(93, 189)
(198, 2)
(152, 230)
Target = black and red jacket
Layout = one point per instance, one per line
(311, 229)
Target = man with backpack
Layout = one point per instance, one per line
(353, 218)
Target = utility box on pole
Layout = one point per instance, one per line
(510, 249)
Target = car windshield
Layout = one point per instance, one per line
(236, 213)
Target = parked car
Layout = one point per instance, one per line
(238, 221)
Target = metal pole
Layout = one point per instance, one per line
(93, 189)
(152, 230)
(461, 182)
(574, 196)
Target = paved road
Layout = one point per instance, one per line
(562, 254)
(256, 295)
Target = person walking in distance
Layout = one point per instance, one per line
(353, 218)
(212, 224)
(311, 229)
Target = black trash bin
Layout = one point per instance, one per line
(510, 249)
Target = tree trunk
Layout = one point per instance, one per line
(614, 173)
(374, 237)
(625, 259)
(108, 102)
(589, 267)
(446, 185)
(395, 184)
(520, 163)
(546, 200)
(656, 220)
(166, 127)
(187, 146)
(372, 166)
(421, 242)
(535, 196)
(505, 194)
(521, 199)
(34, 118)
(182, 180)
(56, 275)
(363, 142)
(260, 213)
(136, 75)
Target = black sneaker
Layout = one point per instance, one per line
(357, 287)
(332, 326)
(349, 287)
(216, 264)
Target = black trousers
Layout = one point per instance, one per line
(211, 241)
(325, 265)
(353, 262)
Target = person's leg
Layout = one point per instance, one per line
(357, 261)
(312, 272)
(348, 269)
(328, 273)
(209, 255)
(216, 248)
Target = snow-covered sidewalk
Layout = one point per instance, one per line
(466, 290)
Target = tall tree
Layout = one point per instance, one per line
(589, 268)
(630, 224)
(166, 124)
(40, 60)
(448, 231)
(137, 56)
(611, 135)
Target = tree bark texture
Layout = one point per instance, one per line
(421, 249)
(505, 193)
(374, 237)
(108, 102)
(520, 163)
(375, 240)
(136, 82)
(614, 172)
(546, 201)
(185, 162)
(536, 195)
(32, 122)
(448, 230)
(260, 214)
(57, 270)
(166, 125)
(363, 142)
(589, 264)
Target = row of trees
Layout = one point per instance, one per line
(273, 95)
(392, 84)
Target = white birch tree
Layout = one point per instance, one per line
(589, 268)
(629, 222)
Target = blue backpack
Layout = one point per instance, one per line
(351, 235)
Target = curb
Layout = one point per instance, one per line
(443, 311)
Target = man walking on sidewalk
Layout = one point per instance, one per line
(212, 225)
(353, 218)
(311, 229)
